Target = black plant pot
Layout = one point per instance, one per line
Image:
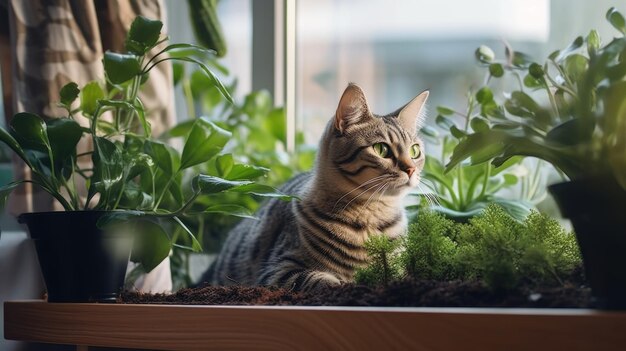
(79, 261)
(597, 208)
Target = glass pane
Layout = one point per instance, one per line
(235, 17)
(396, 49)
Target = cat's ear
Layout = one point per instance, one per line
(412, 114)
(352, 108)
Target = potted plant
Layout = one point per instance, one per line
(137, 184)
(582, 134)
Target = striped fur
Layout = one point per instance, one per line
(352, 193)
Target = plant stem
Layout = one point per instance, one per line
(66, 205)
(555, 107)
(191, 109)
(119, 196)
(460, 188)
(165, 189)
(486, 180)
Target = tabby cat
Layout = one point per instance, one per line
(365, 165)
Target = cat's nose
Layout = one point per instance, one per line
(407, 167)
(410, 171)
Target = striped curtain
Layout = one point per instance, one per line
(55, 42)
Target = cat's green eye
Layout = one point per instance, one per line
(382, 150)
(415, 151)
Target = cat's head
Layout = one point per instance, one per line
(367, 148)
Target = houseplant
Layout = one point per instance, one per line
(260, 140)
(582, 134)
(136, 182)
(470, 188)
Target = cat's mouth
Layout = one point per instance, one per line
(403, 181)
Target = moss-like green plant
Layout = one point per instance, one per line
(429, 250)
(384, 264)
(502, 252)
(492, 247)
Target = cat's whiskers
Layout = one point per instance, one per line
(357, 188)
(377, 183)
(429, 196)
(433, 194)
(380, 190)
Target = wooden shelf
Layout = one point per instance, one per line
(176, 327)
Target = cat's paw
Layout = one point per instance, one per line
(319, 281)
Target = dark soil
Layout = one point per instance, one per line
(403, 293)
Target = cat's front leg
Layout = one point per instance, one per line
(297, 278)
(318, 281)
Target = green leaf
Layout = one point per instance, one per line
(164, 156)
(457, 133)
(521, 60)
(257, 104)
(616, 19)
(474, 144)
(8, 140)
(593, 42)
(510, 179)
(206, 184)
(68, 94)
(517, 209)
(536, 71)
(484, 54)
(152, 244)
(120, 67)
(573, 132)
(5, 191)
(224, 163)
(484, 95)
(577, 43)
(510, 162)
(491, 109)
(141, 113)
(30, 131)
(195, 245)
(487, 152)
(178, 72)
(576, 66)
(496, 70)
(108, 171)
(112, 218)
(186, 50)
(444, 122)
(204, 142)
(246, 172)
(554, 55)
(89, 97)
(143, 35)
(229, 210)
(445, 111)
(532, 82)
(214, 80)
(64, 135)
(429, 132)
(261, 190)
(521, 104)
(134, 197)
(276, 124)
(479, 124)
